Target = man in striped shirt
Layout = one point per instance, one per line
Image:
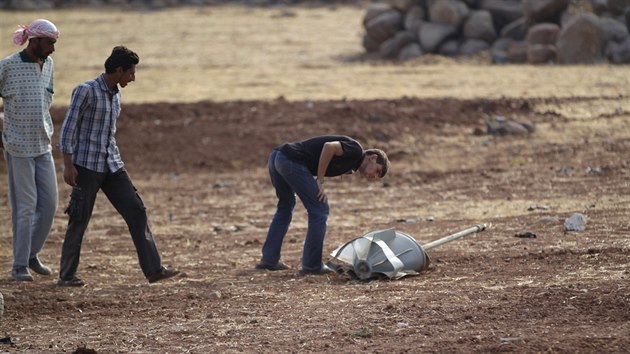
(26, 88)
(92, 163)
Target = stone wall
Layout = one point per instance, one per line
(513, 31)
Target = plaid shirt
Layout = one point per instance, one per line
(27, 93)
(89, 129)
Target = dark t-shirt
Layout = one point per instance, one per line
(307, 152)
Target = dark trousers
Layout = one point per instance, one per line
(123, 195)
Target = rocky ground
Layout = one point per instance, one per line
(280, 74)
(200, 168)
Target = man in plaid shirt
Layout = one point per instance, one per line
(92, 162)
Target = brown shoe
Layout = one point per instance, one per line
(163, 273)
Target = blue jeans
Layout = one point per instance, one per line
(290, 178)
(33, 197)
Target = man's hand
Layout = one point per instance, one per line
(321, 195)
(69, 171)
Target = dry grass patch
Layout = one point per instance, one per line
(229, 53)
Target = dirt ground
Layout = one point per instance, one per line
(200, 169)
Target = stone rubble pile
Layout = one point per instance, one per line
(513, 31)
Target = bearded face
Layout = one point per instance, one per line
(44, 47)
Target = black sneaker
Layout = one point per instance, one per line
(163, 273)
(38, 267)
(274, 267)
(74, 282)
(321, 271)
(21, 274)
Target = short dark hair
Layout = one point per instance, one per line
(123, 57)
(381, 159)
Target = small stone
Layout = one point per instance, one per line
(576, 222)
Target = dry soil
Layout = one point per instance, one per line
(200, 168)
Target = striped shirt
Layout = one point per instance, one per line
(27, 91)
(89, 128)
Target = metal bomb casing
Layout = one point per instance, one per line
(387, 253)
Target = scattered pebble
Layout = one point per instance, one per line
(527, 234)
